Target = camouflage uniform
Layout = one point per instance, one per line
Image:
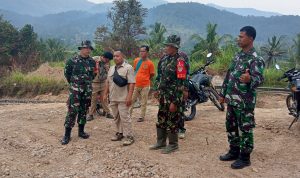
(171, 81)
(79, 73)
(182, 119)
(98, 85)
(170, 89)
(241, 99)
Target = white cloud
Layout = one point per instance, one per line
(288, 7)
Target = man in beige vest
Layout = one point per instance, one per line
(119, 86)
(102, 65)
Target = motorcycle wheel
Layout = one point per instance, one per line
(291, 103)
(190, 113)
(214, 97)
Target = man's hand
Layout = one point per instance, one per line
(128, 101)
(107, 67)
(221, 100)
(100, 98)
(104, 98)
(106, 91)
(96, 69)
(173, 107)
(155, 94)
(245, 78)
(185, 95)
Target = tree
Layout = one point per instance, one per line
(127, 18)
(273, 50)
(210, 44)
(156, 39)
(8, 37)
(103, 39)
(98, 50)
(296, 49)
(28, 40)
(55, 49)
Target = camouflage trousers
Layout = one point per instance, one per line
(239, 127)
(181, 127)
(78, 105)
(168, 120)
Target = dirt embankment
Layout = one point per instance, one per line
(45, 80)
(45, 70)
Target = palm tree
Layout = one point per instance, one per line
(157, 38)
(296, 46)
(273, 50)
(55, 49)
(210, 44)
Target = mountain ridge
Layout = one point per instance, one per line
(184, 19)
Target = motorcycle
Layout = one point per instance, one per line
(200, 90)
(293, 99)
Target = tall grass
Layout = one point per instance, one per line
(221, 65)
(222, 61)
(60, 64)
(271, 76)
(18, 84)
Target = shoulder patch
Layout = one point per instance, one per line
(181, 69)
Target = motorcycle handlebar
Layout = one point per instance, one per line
(196, 71)
(279, 79)
(282, 77)
(202, 68)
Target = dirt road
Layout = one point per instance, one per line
(30, 147)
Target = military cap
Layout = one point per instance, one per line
(86, 44)
(108, 55)
(173, 40)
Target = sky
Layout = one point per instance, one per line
(287, 7)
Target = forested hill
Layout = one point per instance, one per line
(182, 18)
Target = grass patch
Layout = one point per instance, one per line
(271, 75)
(221, 64)
(18, 84)
(60, 64)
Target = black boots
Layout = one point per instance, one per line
(242, 161)
(161, 139)
(81, 132)
(66, 139)
(232, 154)
(161, 142)
(173, 144)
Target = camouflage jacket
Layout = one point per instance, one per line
(240, 94)
(157, 79)
(102, 71)
(79, 73)
(171, 78)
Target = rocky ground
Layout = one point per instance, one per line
(30, 147)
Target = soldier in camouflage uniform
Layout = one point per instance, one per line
(244, 75)
(79, 72)
(98, 84)
(171, 84)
